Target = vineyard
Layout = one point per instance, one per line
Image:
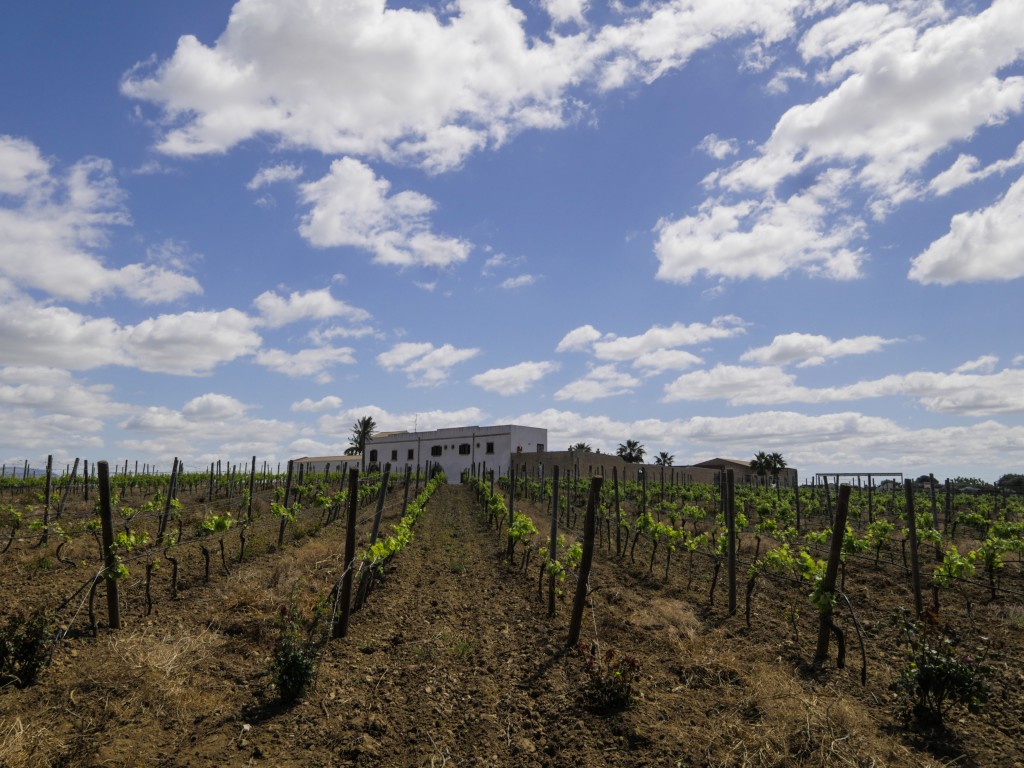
(248, 616)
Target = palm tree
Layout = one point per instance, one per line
(362, 433)
(581, 448)
(775, 465)
(664, 459)
(761, 464)
(631, 451)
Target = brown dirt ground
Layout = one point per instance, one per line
(453, 662)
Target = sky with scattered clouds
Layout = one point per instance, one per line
(712, 226)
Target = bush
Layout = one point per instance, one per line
(940, 675)
(611, 678)
(302, 634)
(24, 647)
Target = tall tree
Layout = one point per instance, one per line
(631, 451)
(761, 465)
(362, 432)
(664, 459)
(581, 448)
(775, 465)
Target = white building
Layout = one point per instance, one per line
(456, 449)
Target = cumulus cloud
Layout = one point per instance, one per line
(424, 364)
(601, 381)
(983, 364)
(983, 245)
(519, 281)
(579, 339)
(312, 362)
(341, 423)
(350, 206)
(515, 379)
(422, 85)
(807, 349)
(276, 310)
(329, 403)
(189, 343)
(967, 394)
(53, 226)
(907, 82)
(274, 174)
(967, 169)
(657, 337)
(717, 147)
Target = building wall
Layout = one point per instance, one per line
(456, 449)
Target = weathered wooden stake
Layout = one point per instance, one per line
(107, 526)
(825, 625)
(730, 524)
(553, 545)
(582, 583)
(915, 566)
(344, 596)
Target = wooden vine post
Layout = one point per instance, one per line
(618, 513)
(511, 513)
(828, 587)
(730, 524)
(365, 572)
(553, 544)
(49, 491)
(287, 504)
(344, 595)
(252, 489)
(107, 527)
(582, 583)
(915, 566)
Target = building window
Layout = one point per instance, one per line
(540, 447)
(435, 451)
(394, 455)
(412, 454)
(490, 448)
(464, 449)
(373, 455)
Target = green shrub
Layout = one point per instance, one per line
(24, 647)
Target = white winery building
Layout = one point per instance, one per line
(456, 449)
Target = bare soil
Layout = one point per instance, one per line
(453, 661)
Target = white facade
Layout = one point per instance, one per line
(456, 449)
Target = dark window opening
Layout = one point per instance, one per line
(464, 449)
(435, 451)
(412, 454)
(394, 455)
(373, 455)
(490, 448)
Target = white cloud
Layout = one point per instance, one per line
(579, 339)
(424, 364)
(984, 364)
(562, 11)
(966, 394)
(306, 362)
(780, 80)
(659, 338)
(515, 379)
(966, 170)
(213, 406)
(351, 207)
(661, 360)
(600, 381)
(422, 85)
(906, 83)
(717, 147)
(51, 227)
(190, 343)
(274, 174)
(277, 311)
(811, 349)
(329, 403)
(518, 282)
(983, 245)
(763, 238)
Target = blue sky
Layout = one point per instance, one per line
(713, 226)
